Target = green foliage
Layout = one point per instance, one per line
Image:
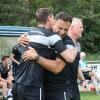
(22, 13)
(91, 36)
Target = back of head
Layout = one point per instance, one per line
(42, 14)
(63, 16)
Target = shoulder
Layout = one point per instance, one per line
(15, 48)
(68, 41)
(41, 31)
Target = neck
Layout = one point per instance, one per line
(43, 25)
(72, 37)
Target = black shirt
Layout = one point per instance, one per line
(68, 76)
(17, 55)
(3, 71)
(16, 51)
(30, 72)
(72, 67)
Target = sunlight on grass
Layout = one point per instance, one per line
(89, 96)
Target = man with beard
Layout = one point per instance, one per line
(30, 75)
(63, 85)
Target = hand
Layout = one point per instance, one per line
(84, 83)
(23, 40)
(30, 54)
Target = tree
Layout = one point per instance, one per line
(22, 13)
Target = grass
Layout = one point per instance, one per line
(89, 96)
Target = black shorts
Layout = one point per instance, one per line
(86, 75)
(57, 96)
(21, 92)
(76, 93)
(71, 93)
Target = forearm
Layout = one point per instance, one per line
(17, 62)
(3, 80)
(80, 75)
(54, 66)
(13, 59)
(69, 54)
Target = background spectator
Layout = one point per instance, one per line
(5, 76)
(88, 72)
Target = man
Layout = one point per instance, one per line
(15, 57)
(88, 73)
(5, 75)
(30, 76)
(62, 85)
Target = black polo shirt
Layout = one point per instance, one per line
(68, 76)
(4, 71)
(30, 72)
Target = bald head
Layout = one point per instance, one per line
(76, 21)
(82, 55)
(76, 28)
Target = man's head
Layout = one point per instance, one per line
(62, 23)
(44, 16)
(76, 28)
(5, 60)
(82, 55)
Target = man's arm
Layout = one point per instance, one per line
(69, 54)
(80, 74)
(13, 59)
(65, 48)
(55, 66)
(23, 40)
(82, 78)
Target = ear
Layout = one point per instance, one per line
(48, 19)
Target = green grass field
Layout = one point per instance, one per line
(89, 96)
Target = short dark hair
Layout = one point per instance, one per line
(4, 57)
(63, 16)
(42, 14)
